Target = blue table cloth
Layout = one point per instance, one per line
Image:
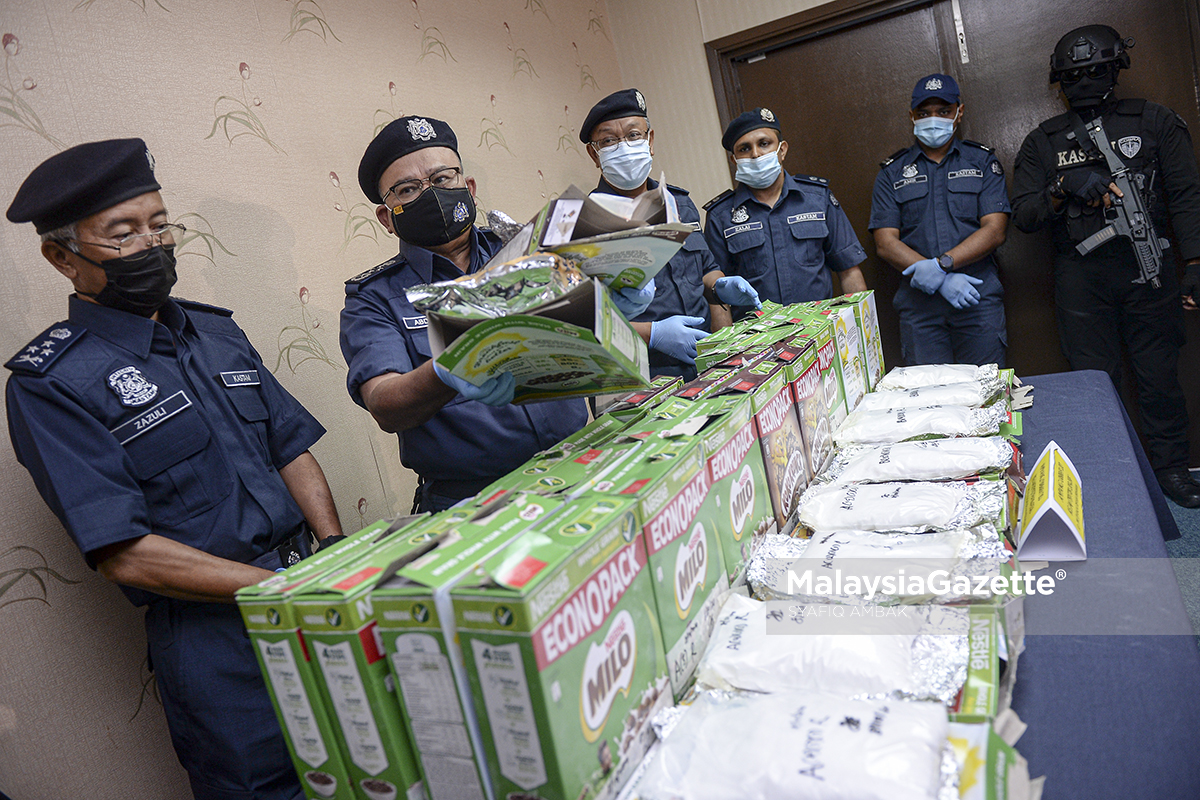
(1110, 716)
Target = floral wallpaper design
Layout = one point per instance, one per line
(596, 23)
(383, 115)
(585, 71)
(537, 7)
(239, 118)
(520, 57)
(86, 4)
(567, 139)
(433, 42)
(197, 237)
(359, 224)
(307, 17)
(30, 578)
(15, 110)
(491, 135)
(302, 343)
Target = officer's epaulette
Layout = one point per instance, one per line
(1132, 106)
(893, 156)
(375, 272)
(982, 147)
(44, 349)
(718, 198)
(677, 189)
(813, 179)
(192, 305)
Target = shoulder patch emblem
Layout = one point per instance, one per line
(833, 199)
(996, 168)
(718, 198)
(1129, 146)
(739, 215)
(43, 350)
(420, 130)
(366, 275)
(131, 387)
(910, 171)
(766, 114)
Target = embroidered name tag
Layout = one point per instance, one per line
(749, 226)
(416, 323)
(812, 216)
(965, 173)
(915, 179)
(245, 377)
(128, 431)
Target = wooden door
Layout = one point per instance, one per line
(839, 78)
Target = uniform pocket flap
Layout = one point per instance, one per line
(809, 228)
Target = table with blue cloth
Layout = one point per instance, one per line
(1110, 716)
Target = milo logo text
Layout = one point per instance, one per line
(726, 460)
(672, 521)
(825, 355)
(586, 609)
(806, 384)
(607, 672)
(772, 416)
(793, 478)
(741, 501)
(691, 567)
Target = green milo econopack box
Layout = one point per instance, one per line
(411, 604)
(867, 318)
(285, 660)
(820, 330)
(561, 642)
(336, 619)
(680, 523)
(804, 374)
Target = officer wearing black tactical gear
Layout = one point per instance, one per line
(1057, 182)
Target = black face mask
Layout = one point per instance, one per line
(436, 217)
(1089, 92)
(138, 285)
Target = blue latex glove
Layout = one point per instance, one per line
(497, 391)
(926, 275)
(736, 291)
(677, 336)
(959, 290)
(632, 302)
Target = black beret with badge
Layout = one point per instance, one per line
(618, 105)
(398, 139)
(83, 180)
(745, 122)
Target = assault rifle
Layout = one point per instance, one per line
(1128, 215)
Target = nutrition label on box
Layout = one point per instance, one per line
(351, 706)
(506, 695)
(293, 702)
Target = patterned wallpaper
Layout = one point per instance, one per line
(257, 112)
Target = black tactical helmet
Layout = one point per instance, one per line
(1089, 46)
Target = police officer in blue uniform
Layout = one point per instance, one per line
(172, 456)
(1100, 308)
(783, 233)
(939, 209)
(691, 292)
(457, 437)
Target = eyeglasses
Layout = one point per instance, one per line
(1094, 71)
(129, 245)
(609, 142)
(407, 191)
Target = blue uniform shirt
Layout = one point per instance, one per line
(466, 440)
(679, 286)
(936, 206)
(130, 427)
(783, 251)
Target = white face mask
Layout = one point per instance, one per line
(626, 166)
(758, 173)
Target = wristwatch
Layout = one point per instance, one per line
(946, 262)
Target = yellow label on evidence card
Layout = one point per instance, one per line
(1037, 491)
(1067, 492)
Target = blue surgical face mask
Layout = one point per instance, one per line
(934, 131)
(626, 166)
(758, 173)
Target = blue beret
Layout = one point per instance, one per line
(618, 105)
(745, 122)
(943, 87)
(398, 139)
(82, 181)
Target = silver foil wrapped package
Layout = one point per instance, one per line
(935, 375)
(513, 287)
(914, 507)
(902, 424)
(503, 225)
(926, 460)
(972, 394)
(800, 745)
(880, 568)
